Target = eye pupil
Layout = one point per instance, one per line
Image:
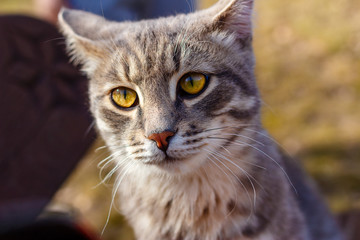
(125, 94)
(191, 81)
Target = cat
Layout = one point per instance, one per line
(176, 102)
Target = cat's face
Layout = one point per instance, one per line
(169, 92)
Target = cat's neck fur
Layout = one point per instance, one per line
(220, 201)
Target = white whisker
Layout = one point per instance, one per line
(240, 135)
(273, 160)
(238, 179)
(242, 160)
(115, 189)
(240, 143)
(100, 148)
(248, 175)
(268, 137)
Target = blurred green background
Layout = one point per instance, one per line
(308, 71)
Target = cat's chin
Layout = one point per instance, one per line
(165, 161)
(177, 166)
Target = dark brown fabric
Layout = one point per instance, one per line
(350, 223)
(45, 126)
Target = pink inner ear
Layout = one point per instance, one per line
(237, 17)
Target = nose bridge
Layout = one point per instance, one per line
(159, 117)
(159, 113)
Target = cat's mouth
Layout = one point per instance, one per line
(165, 161)
(171, 159)
(175, 160)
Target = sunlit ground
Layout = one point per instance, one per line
(308, 70)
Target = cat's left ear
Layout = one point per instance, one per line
(234, 16)
(85, 36)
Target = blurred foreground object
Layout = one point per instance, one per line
(116, 10)
(48, 9)
(51, 229)
(350, 224)
(45, 127)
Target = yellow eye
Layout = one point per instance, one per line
(193, 83)
(124, 97)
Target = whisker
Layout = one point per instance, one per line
(225, 149)
(106, 159)
(121, 175)
(240, 143)
(242, 184)
(111, 173)
(99, 156)
(110, 159)
(268, 137)
(54, 39)
(240, 135)
(202, 168)
(92, 124)
(239, 126)
(222, 170)
(242, 160)
(100, 148)
(236, 196)
(248, 175)
(278, 164)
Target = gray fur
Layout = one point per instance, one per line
(222, 177)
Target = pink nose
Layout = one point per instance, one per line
(162, 139)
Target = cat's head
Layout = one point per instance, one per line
(169, 92)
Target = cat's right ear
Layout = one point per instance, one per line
(234, 16)
(83, 36)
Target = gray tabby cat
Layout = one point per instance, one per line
(175, 100)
